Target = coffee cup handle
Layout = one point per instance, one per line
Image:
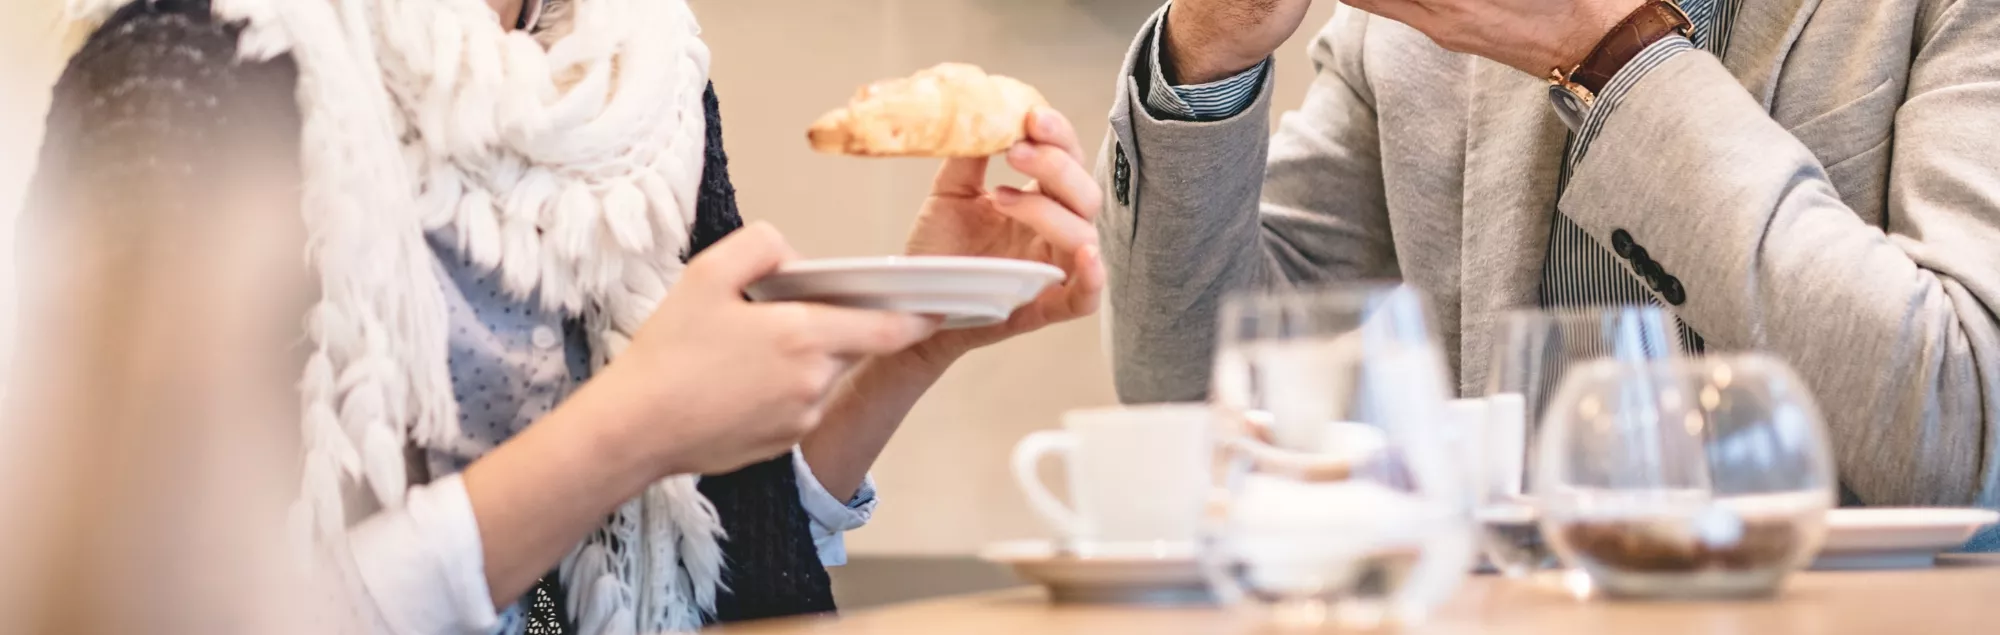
(1027, 458)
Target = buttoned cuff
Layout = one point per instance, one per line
(1213, 101)
(1621, 83)
(423, 564)
(830, 517)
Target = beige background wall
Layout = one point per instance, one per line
(779, 63)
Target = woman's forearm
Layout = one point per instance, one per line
(539, 493)
(863, 414)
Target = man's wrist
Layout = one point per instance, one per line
(1594, 21)
(1190, 57)
(1630, 33)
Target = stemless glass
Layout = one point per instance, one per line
(1685, 478)
(1338, 489)
(1531, 353)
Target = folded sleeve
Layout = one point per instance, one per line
(832, 517)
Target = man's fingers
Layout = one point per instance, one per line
(739, 259)
(1053, 221)
(1404, 11)
(1060, 176)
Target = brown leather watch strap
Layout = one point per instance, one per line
(1648, 24)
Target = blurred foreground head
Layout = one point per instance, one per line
(147, 471)
(145, 460)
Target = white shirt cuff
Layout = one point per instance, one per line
(423, 564)
(830, 516)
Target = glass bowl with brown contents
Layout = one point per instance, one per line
(1689, 478)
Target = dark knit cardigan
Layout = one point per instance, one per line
(154, 114)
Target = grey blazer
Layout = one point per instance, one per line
(1828, 191)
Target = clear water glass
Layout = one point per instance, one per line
(1340, 500)
(1532, 352)
(1691, 478)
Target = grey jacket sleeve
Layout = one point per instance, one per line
(1197, 209)
(1892, 327)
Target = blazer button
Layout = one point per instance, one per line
(1121, 175)
(1651, 271)
(544, 337)
(1638, 256)
(1670, 288)
(1621, 243)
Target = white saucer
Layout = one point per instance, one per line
(966, 291)
(1896, 538)
(1106, 572)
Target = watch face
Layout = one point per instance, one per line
(1568, 105)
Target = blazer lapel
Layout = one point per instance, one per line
(1760, 38)
(1513, 153)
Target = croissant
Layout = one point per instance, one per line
(949, 110)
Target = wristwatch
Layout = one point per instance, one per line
(1574, 90)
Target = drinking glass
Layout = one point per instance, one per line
(1532, 352)
(1685, 478)
(1339, 497)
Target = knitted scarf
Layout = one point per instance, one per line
(570, 167)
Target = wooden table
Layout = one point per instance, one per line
(1961, 595)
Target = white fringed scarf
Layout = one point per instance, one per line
(571, 170)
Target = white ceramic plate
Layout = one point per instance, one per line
(1895, 538)
(1139, 572)
(966, 291)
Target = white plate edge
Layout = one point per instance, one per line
(966, 264)
(1889, 518)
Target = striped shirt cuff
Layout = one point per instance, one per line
(1614, 92)
(1213, 101)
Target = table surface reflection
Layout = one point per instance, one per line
(1960, 595)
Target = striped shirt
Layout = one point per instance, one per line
(1579, 269)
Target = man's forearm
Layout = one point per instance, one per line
(1890, 331)
(1196, 185)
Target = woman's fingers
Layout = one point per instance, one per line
(846, 331)
(961, 178)
(1077, 296)
(739, 259)
(1047, 126)
(1085, 287)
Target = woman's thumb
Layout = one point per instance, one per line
(739, 259)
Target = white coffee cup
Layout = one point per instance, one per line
(1139, 473)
